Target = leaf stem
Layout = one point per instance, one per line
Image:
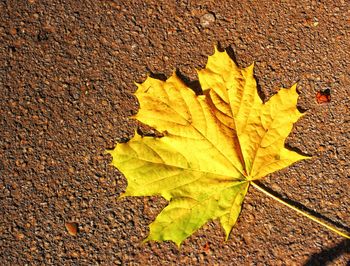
(311, 217)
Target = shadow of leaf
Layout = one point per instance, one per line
(325, 257)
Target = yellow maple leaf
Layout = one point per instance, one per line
(214, 146)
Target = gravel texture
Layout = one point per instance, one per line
(66, 91)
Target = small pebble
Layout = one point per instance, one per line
(19, 236)
(207, 19)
